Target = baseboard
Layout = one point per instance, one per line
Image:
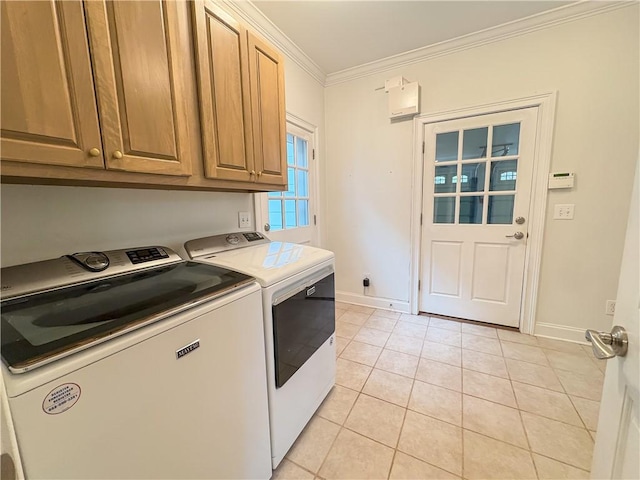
(373, 302)
(560, 332)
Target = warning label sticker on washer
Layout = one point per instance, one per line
(61, 398)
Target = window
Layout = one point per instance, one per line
(290, 209)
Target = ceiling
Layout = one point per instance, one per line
(338, 35)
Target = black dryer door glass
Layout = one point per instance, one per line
(301, 325)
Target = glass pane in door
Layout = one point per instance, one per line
(445, 179)
(470, 209)
(275, 214)
(474, 143)
(506, 140)
(503, 175)
(444, 209)
(472, 177)
(500, 209)
(303, 213)
(447, 147)
(291, 157)
(290, 213)
(303, 183)
(301, 153)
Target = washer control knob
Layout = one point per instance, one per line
(232, 239)
(97, 262)
(92, 261)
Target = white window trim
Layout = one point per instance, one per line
(546, 103)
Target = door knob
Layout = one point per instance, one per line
(520, 220)
(608, 345)
(517, 236)
(267, 227)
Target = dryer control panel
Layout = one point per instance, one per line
(208, 246)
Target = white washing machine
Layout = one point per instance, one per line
(298, 297)
(135, 364)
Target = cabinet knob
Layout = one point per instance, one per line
(252, 172)
(259, 173)
(94, 152)
(117, 154)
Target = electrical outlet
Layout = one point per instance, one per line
(244, 221)
(563, 211)
(610, 308)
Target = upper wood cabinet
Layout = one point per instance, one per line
(49, 112)
(266, 73)
(139, 64)
(241, 86)
(147, 93)
(225, 100)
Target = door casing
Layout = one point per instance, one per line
(546, 104)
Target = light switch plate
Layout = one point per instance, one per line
(563, 211)
(243, 220)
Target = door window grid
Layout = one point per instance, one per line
(290, 209)
(496, 204)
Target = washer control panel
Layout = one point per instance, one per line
(146, 254)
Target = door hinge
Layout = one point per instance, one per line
(420, 219)
(418, 284)
(422, 147)
(313, 154)
(314, 220)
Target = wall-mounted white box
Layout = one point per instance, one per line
(404, 100)
(394, 82)
(561, 180)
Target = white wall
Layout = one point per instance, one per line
(593, 65)
(40, 222)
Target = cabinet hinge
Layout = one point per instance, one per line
(418, 284)
(422, 147)
(315, 220)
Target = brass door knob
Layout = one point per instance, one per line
(94, 152)
(117, 154)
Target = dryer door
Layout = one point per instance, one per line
(302, 322)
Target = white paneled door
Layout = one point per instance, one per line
(616, 452)
(476, 198)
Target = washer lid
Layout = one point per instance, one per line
(42, 327)
(271, 262)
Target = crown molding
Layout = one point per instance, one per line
(254, 17)
(551, 18)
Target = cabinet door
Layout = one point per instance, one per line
(223, 81)
(140, 66)
(266, 73)
(49, 112)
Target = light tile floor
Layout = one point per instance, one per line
(420, 397)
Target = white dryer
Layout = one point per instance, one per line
(298, 297)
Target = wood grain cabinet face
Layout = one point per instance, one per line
(139, 65)
(49, 112)
(266, 72)
(224, 90)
